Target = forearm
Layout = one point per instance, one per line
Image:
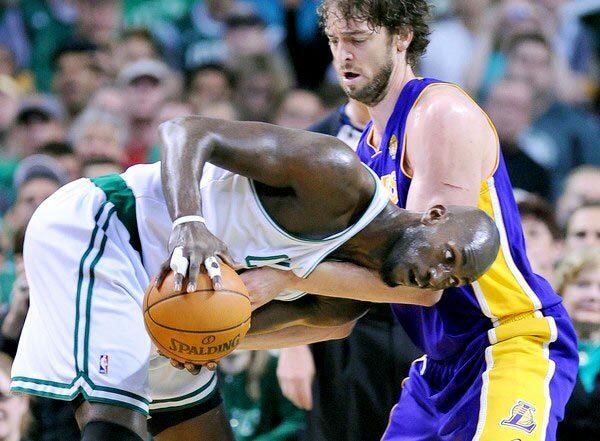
(346, 280)
(293, 336)
(309, 311)
(183, 157)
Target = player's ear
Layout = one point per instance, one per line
(403, 39)
(434, 214)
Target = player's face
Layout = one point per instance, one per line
(582, 296)
(446, 249)
(363, 58)
(583, 229)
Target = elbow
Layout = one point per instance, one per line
(343, 331)
(430, 298)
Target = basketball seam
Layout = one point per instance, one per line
(198, 290)
(196, 332)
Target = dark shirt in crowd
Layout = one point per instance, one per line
(525, 173)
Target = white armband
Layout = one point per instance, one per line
(185, 219)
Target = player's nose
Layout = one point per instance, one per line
(438, 277)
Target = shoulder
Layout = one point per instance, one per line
(445, 122)
(443, 102)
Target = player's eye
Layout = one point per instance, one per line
(449, 256)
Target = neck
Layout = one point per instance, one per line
(381, 112)
(368, 247)
(358, 114)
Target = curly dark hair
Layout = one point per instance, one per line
(394, 15)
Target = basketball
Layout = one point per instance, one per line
(201, 326)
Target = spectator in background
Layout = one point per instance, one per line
(134, 44)
(208, 84)
(14, 409)
(453, 40)
(203, 31)
(258, 88)
(542, 235)
(15, 51)
(49, 24)
(583, 227)
(561, 136)
(488, 61)
(169, 110)
(63, 152)
(581, 187)
(40, 119)
(299, 109)
(307, 46)
(110, 99)
(509, 107)
(147, 84)
(100, 166)
(9, 103)
(36, 178)
(99, 21)
(222, 110)
(99, 133)
(247, 39)
(77, 75)
(578, 281)
(13, 319)
(255, 406)
(52, 420)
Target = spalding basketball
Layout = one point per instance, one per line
(200, 326)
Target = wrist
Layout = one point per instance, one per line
(187, 219)
(293, 281)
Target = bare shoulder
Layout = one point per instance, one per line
(445, 123)
(443, 103)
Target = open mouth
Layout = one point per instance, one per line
(350, 75)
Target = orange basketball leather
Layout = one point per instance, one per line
(201, 326)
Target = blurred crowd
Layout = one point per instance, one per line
(85, 83)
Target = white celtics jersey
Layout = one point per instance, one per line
(234, 214)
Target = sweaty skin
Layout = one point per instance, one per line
(313, 186)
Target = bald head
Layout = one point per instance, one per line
(446, 247)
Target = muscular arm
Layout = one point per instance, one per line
(320, 169)
(451, 149)
(448, 163)
(303, 321)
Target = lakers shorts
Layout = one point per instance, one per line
(510, 385)
(84, 333)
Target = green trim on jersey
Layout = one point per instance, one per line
(80, 281)
(211, 382)
(88, 306)
(33, 390)
(185, 406)
(116, 190)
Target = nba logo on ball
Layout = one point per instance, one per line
(103, 364)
